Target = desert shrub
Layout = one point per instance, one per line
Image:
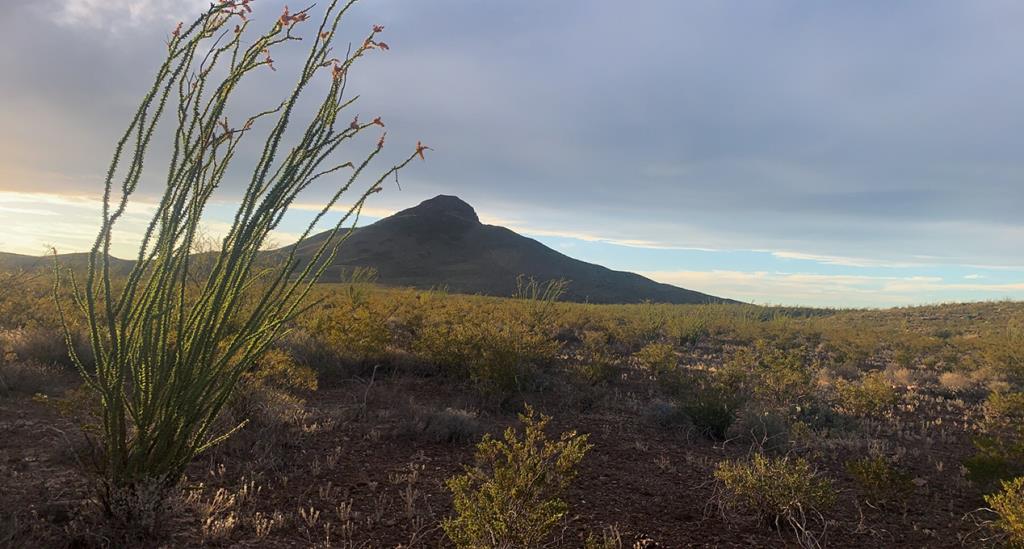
(783, 380)
(45, 345)
(512, 496)
(173, 338)
(764, 429)
(495, 347)
(539, 299)
(506, 354)
(879, 481)
(269, 403)
(901, 377)
(354, 324)
(1004, 350)
(711, 399)
(1008, 504)
(19, 377)
(596, 362)
(609, 538)
(451, 425)
(955, 382)
(666, 415)
(777, 379)
(277, 369)
(779, 492)
(643, 324)
(659, 358)
(445, 342)
(999, 447)
(688, 329)
(712, 409)
(872, 396)
(356, 335)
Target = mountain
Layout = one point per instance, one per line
(441, 242)
(78, 261)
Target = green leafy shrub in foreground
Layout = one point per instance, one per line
(512, 496)
(1009, 505)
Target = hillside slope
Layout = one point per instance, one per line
(441, 242)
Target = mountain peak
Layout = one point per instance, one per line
(441, 243)
(443, 205)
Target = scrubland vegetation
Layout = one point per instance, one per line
(370, 423)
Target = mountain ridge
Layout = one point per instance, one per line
(441, 242)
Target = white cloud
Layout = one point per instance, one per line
(371, 211)
(585, 236)
(115, 13)
(829, 290)
(71, 224)
(839, 260)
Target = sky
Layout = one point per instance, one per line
(842, 154)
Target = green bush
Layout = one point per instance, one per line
(765, 429)
(666, 415)
(659, 358)
(357, 329)
(873, 396)
(1004, 351)
(512, 497)
(1009, 505)
(597, 364)
(688, 329)
(782, 378)
(776, 379)
(880, 482)
(779, 492)
(1000, 446)
(712, 410)
(496, 348)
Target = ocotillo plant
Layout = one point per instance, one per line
(169, 352)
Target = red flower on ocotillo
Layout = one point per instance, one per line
(420, 147)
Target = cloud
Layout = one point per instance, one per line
(70, 223)
(727, 126)
(106, 14)
(838, 260)
(831, 290)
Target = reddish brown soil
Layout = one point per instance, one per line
(645, 480)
